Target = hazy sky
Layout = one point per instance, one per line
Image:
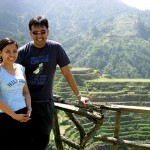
(140, 4)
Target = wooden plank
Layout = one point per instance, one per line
(124, 143)
(137, 109)
(77, 110)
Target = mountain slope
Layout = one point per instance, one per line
(117, 47)
(106, 35)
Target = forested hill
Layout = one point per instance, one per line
(120, 47)
(103, 34)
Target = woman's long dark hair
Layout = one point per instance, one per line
(6, 41)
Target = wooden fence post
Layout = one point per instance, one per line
(117, 128)
(56, 131)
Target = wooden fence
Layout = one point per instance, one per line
(95, 113)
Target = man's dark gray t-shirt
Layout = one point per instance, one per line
(40, 66)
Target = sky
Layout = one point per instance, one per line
(139, 4)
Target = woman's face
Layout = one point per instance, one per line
(9, 54)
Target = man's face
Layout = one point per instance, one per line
(39, 35)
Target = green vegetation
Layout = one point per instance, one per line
(115, 42)
(109, 40)
(101, 90)
(120, 80)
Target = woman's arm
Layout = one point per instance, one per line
(5, 108)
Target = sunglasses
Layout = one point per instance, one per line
(39, 32)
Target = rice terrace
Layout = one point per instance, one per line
(122, 102)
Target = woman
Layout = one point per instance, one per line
(15, 100)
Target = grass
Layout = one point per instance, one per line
(119, 80)
(80, 69)
(108, 92)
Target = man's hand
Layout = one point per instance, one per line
(29, 111)
(83, 101)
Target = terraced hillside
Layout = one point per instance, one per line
(81, 75)
(103, 89)
(119, 90)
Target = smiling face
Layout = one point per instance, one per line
(9, 54)
(39, 35)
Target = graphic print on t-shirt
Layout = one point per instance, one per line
(39, 59)
(37, 77)
(11, 83)
(38, 69)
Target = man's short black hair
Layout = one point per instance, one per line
(38, 21)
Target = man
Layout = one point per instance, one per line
(40, 57)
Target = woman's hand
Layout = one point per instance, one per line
(21, 117)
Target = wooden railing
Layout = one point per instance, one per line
(115, 140)
(95, 113)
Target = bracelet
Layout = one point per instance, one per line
(79, 95)
(29, 108)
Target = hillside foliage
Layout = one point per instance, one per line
(105, 35)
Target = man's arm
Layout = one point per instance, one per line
(27, 96)
(70, 79)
